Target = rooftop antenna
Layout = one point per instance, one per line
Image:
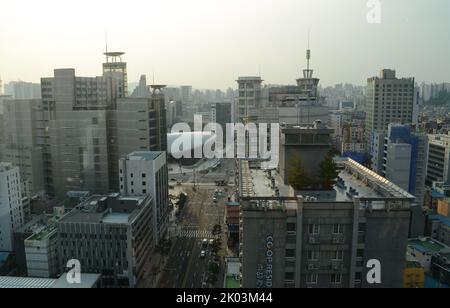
(308, 51)
(106, 40)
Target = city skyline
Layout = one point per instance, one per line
(209, 44)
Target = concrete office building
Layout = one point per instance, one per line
(23, 90)
(438, 159)
(109, 235)
(400, 155)
(11, 208)
(87, 125)
(41, 252)
(186, 94)
(73, 130)
(21, 146)
(142, 90)
(389, 100)
(310, 143)
(249, 99)
(143, 173)
(34, 226)
(113, 65)
(322, 239)
(222, 114)
(134, 126)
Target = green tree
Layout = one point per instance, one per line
(214, 268)
(217, 230)
(328, 172)
(298, 178)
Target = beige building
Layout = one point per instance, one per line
(389, 100)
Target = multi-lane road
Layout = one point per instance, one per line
(185, 267)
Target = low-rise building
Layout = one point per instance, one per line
(109, 235)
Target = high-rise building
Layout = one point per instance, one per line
(322, 238)
(249, 98)
(310, 143)
(186, 94)
(400, 155)
(389, 100)
(142, 90)
(11, 208)
(114, 64)
(109, 235)
(87, 125)
(22, 120)
(23, 90)
(143, 173)
(159, 105)
(222, 114)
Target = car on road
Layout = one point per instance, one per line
(215, 200)
(205, 242)
(211, 242)
(202, 254)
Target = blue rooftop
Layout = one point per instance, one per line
(442, 219)
(437, 195)
(4, 256)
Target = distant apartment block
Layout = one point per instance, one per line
(389, 100)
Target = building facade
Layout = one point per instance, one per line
(143, 173)
(400, 155)
(109, 235)
(324, 239)
(249, 98)
(388, 100)
(11, 208)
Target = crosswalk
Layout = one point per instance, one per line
(195, 234)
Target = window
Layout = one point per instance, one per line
(313, 255)
(336, 278)
(144, 191)
(291, 227)
(144, 183)
(314, 229)
(362, 227)
(338, 229)
(337, 255)
(312, 278)
(144, 175)
(290, 253)
(289, 276)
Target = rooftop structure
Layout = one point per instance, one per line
(104, 209)
(354, 182)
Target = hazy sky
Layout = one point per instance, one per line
(209, 43)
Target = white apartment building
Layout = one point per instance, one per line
(11, 208)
